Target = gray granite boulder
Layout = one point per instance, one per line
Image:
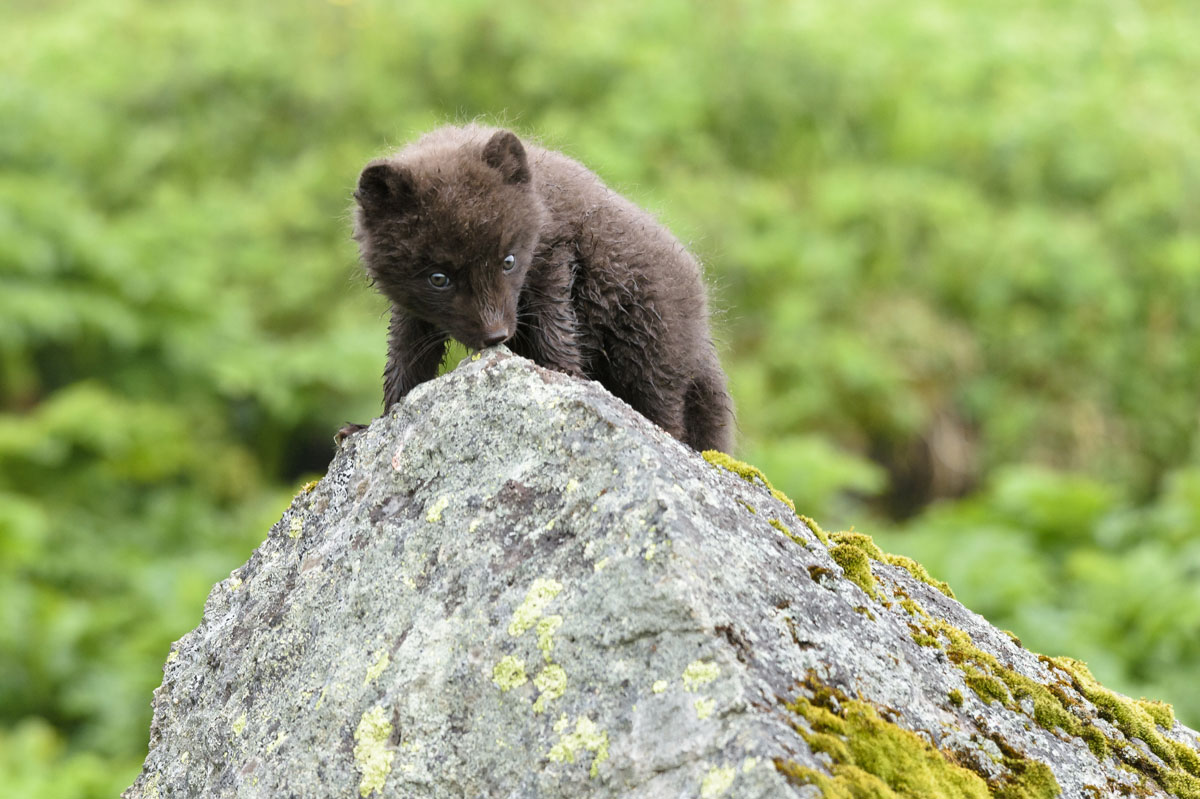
(512, 585)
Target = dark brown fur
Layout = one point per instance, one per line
(597, 288)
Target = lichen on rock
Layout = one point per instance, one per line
(512, 584)
(372, 757)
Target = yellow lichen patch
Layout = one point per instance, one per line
(586, 738)
(309, 486)
(540, 594)
(174, 654)
(650, 550)
(235, 582)
(382, 659)
(747, 472)
(600, 564)
(704, 707)
(717, 781)
(659, 686)
(239, 724)
(434, 514)
(700, 672)
(509, 673)
(552, 682)
(372, 757)
(546, 627)
(295, 527)
(749, 764)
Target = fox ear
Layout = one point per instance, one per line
(384, 187)
(505, 153)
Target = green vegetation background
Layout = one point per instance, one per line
(957, 245)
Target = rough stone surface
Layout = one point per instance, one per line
(513, 585)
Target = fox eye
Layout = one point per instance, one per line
(439, 280)
(509, 263)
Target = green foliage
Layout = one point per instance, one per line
(36, 765)
(946, 238)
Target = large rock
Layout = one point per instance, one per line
(514, 586)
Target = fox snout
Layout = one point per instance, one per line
(497, 334)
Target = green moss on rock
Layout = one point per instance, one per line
(917, 571)
(1054, 709)
(1176, 766)
(985, 686)
(871, 757)
(859, 540)
(747, 472)
(922, 637)
(857, 565)
(1095, 740)
(981, 668)
(811, 524)
(1180, 772)
(1026, 779)
(1162, 713)
(783, 528)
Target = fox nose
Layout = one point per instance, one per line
(494, 336)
